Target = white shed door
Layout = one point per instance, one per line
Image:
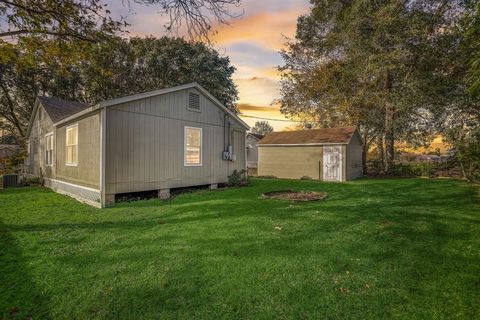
(332, 163)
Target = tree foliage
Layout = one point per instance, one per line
(262, 127)
(91, 20)
(85, 20)
(87, 72)
(391, 67)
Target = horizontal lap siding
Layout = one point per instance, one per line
(87, 171)
(145, 144)
(290, 162)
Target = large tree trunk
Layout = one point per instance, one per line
(365, 148)
(380, 152)
(389, 125)
(389, 137)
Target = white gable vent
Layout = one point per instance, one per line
(194, 101)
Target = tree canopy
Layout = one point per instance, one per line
(89, 72)
(262, 127)
(392, 67)
(91, 20)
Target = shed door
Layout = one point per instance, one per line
(332, 163)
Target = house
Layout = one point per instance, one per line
(252, 151)
(158, 140)
(7, 151)
(333, 154)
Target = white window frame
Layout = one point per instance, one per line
(72, 164)
(185, 147)
(47, 136)
(29, 153)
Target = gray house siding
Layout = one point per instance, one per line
(36, 165)
(87, 171)
(145, 144)
(252, 152)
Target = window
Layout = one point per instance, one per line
(49, 149)
(29, 153)
(194, 101)
(193, 146)
(72, 145)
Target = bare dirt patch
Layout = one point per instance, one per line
(293, 195)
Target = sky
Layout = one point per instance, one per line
(252, 41)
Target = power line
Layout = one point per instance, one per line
(262, 118)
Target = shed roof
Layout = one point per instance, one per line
(309, 137)
(58, 109)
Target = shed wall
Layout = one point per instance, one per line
(354, 150)
(145, 144)
(290, 162)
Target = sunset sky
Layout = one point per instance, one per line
(252, 42)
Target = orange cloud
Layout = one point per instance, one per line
(268, 29)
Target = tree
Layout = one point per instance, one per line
(85, 20)
(91, 20)
(262, 127)
(374, 64)
(472, 31)
(88, 72)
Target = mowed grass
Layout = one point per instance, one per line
(375, 249)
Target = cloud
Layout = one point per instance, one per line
(266, 29)
(257, 90)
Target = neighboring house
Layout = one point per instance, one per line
(428, 158)
(7, 151)
(333, 154)
(169, 138)
(252, 150)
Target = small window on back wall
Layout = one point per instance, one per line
(194, 101)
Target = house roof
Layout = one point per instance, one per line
(256, 135)
(58, 109)
(10, 146)
(309, 137)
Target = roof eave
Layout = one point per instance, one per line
(150, 94)
(300, 144)
(32, 117)
(77, 115)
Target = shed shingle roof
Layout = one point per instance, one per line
(315, 136)
(59, 109)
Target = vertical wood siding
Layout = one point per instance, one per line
(87, 171)
(40, 128)
(354, 167)
(145, 144)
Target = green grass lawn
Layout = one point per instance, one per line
(390, 249)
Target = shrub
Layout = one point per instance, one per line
(30, 181)
(238, 178)
(305, 178)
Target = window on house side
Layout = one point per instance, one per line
(193, 146)
(72, 145)
(49, 149)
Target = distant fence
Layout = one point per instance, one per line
(10, 180)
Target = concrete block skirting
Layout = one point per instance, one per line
(83, 194)
(213, 186)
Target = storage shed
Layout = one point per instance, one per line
(330, 154)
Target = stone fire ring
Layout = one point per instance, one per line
(293, 195)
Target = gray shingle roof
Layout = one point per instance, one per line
(58, 109)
